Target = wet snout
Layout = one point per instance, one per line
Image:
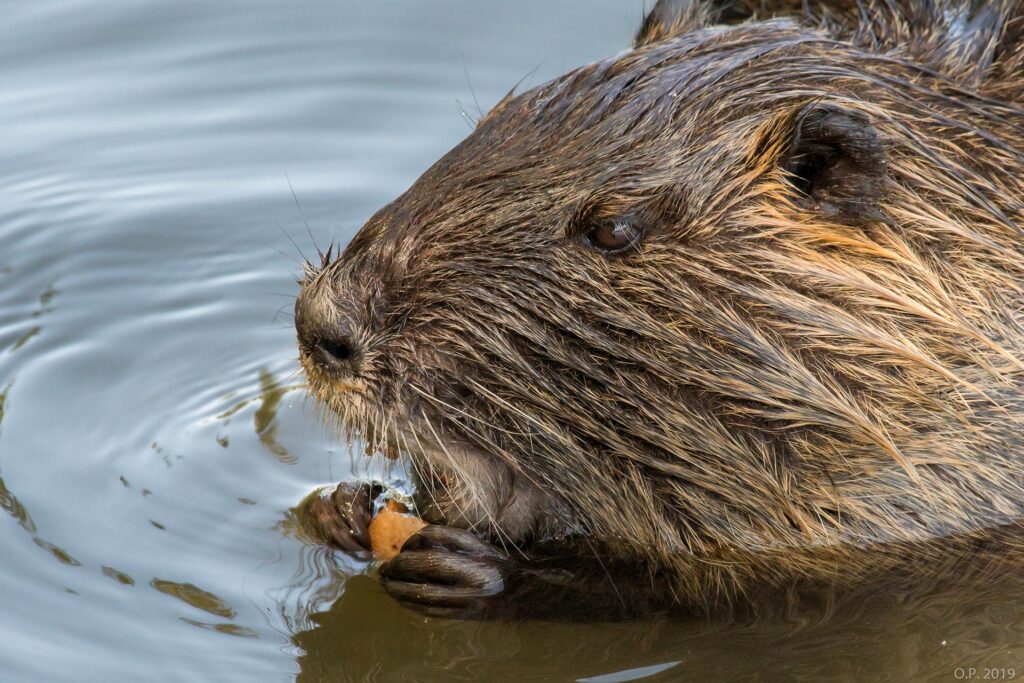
(328, 332)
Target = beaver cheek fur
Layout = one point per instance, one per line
(456, 483)
(501, 500)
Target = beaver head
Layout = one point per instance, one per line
(740, 289)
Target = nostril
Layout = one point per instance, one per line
(336, 348)
(335, 351)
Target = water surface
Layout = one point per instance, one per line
(153, 432)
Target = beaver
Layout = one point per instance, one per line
(738, 308)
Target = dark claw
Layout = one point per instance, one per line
(443, 571)
(342, 519)
(436, 536)
(450, 575)
(446, 572)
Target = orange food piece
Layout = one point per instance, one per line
(391, 528)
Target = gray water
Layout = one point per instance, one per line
(154, 435)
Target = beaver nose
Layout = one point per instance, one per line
(327, 335)
(336, 349)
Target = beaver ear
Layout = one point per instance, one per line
(837, 161)
(671, 18)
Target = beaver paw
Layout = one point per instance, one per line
(342, 519)
(444, 571)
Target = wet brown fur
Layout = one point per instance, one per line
(761, 390)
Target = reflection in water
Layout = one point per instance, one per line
(118, 576)
(185, 592)
(265, 417)
(25, 338)
(630, 674)
(12, 506)
(363, 636)
(43, 308)
(319, 581)
(61, 555)
(320, 577)
(195, 596)
(8, 502)
(167, 458)
(227, 629)
(44, 300)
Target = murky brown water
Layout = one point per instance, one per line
(153, 437)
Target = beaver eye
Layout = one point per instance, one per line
(614, 236)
